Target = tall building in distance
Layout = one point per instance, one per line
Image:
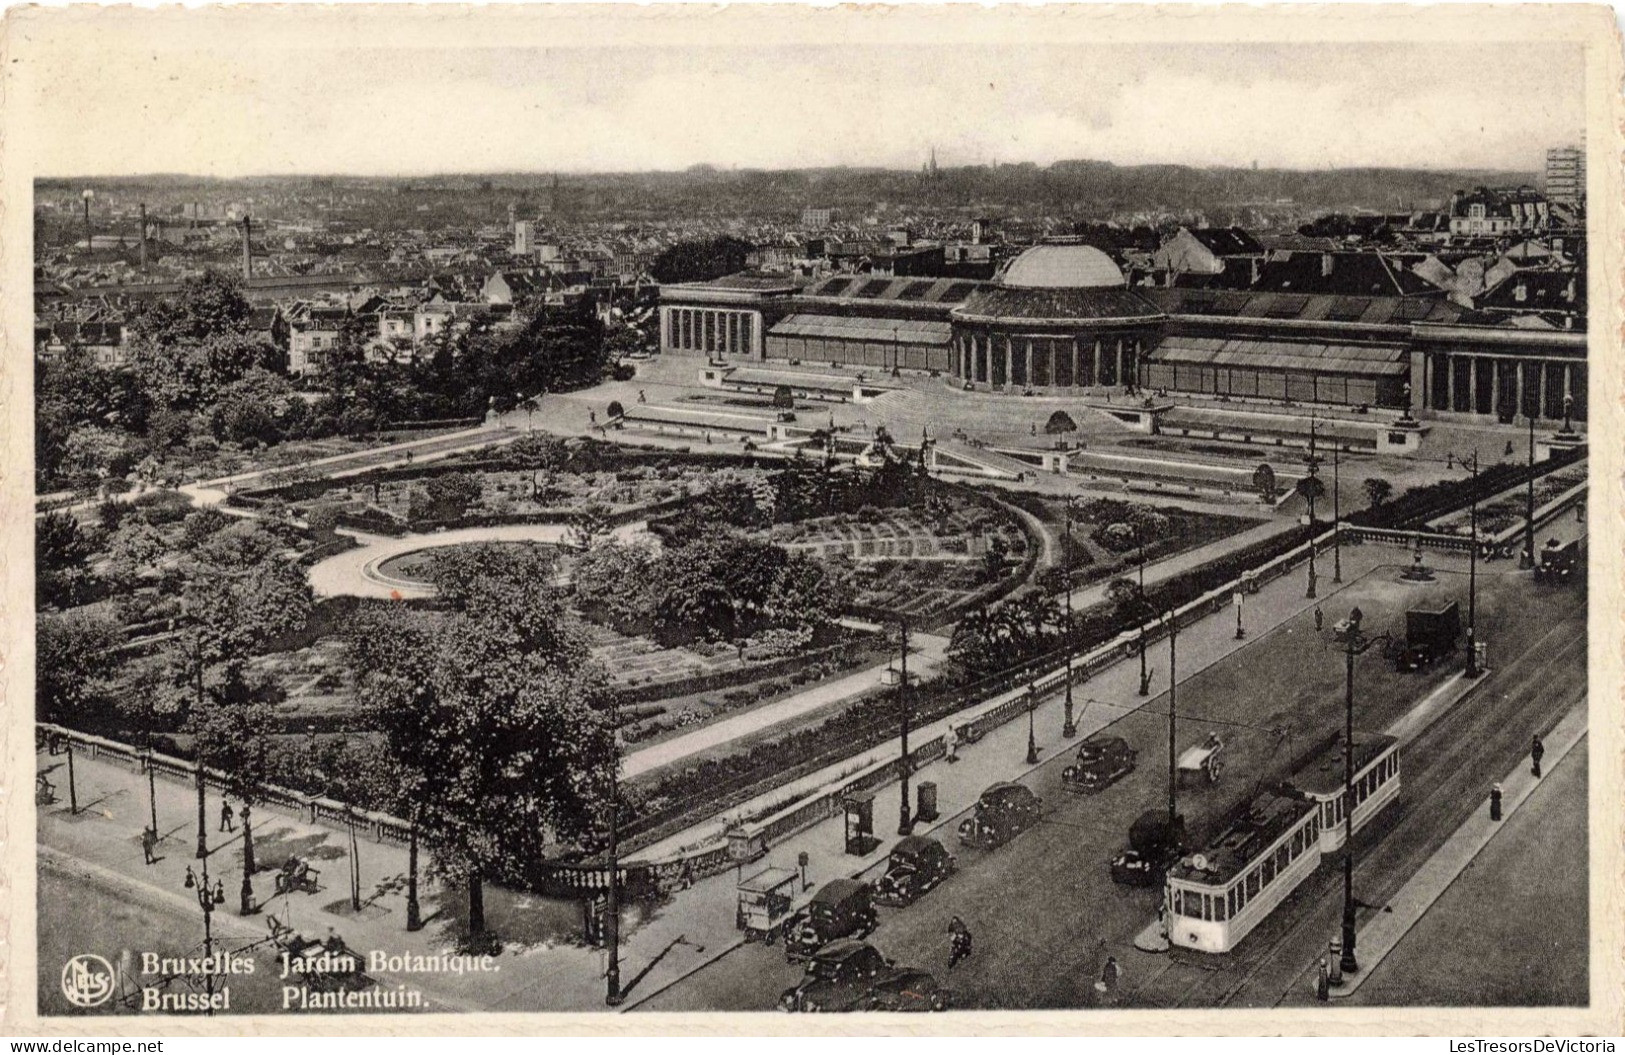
(524, 238)
(1566, 176)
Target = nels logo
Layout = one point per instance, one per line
(88, 980)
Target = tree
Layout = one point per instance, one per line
(446, 497)
(588, 524)
(243, 610)
(498, 711)
(783, 398)
(1378, 490)
(618, 579)
(75, 664)
(184, 349)
(540, 451)
(61, 555)
(1310, 487)
(700, 261)
(614, 410)
(134, 551)
(1059, 424)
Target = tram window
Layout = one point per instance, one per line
(1207, 908)
(1178, 898)
(1252, 882)
(1233, 898)
(1282, 856)
(1314, 828)
(1269, 870)
(1327, 809)
(1219, 907)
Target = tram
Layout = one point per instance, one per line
(1376, 783)
(1216, 897)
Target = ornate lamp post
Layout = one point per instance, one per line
(1526, 559)
(1309, 492)
(1032, 740)
(1354, 643)
(905, 825)
(1472, 575)
(1337, 515)
(612, 898)
(1069, 727)
(207, 900)
(1145, 677)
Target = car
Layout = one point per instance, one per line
(1153, 845)
(917, 864)
(842, 908)
(852, 975)
(1102, 761)
(1004, 811)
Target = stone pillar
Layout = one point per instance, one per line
(1568, 380)
(1519, 369)
(1009, 362)
(1094, 375)
(1450, 383)
(1472, 384)
(665, 329)
(1076, 380)
(1027, 355)
(1120, 379)
(1495, 387)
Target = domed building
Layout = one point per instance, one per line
(1060, 318)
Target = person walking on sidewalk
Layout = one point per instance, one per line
(1109, 976)
(1537, 751)
(950, 744)
(149, 842)
(959, 946)
(225, 817)
(1320, 619)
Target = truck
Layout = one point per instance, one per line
(1430, 635)
(1560, 561)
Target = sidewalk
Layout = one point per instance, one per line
(1385, 930)
(1179, 563)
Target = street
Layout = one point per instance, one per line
(1043, 908)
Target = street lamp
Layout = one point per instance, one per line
(1032, 739)
(207, 900)
(73, 787)
(246, 894)
(1337, 515)
(1069, 727)
(152, 787)
(1145, 677)
(1472, 574)
(612, 897)
(1309, 492)
(1173, 718)
(905, 825)
(1526, 560)
(1354, 643)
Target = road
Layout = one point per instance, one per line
(1043, 909)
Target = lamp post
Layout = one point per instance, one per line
(414, 914)
(1145, 677)
(1069, 727)
(1526, 560)
(246, 894)
(207, 900)
(1472, 575)
(612, 897)
(1173, 716)
(1354, 643)
(152, 788)
(1337, 514)
(73, 787)
(1309, 492)
(1032, 735)
(905, 825)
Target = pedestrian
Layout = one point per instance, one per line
(149, 842)
(592, 417)
(641, 397)
(1449, 460)
(1537, 751)
(1109, 976)
(1320, 618)
(225, 817)
(950, 743)
(1323, 984)
(959, 942)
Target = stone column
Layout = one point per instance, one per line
(1073, 345)
(1450, 383)
(1027, 354)
(665, 329)
(1495, 387)
(1009, 362)
(1472, 384)
(1568, 380)
(1540, 388)
(1094, 376)
(1519, 369)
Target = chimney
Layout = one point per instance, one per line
(143, 236)
(248, 254)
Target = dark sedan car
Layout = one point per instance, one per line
(1102, 761)
(917, 864)
(851, 975)
(1004, 811)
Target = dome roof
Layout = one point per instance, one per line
(1063, 267)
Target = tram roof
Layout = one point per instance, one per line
(1242, 842)
(1322, 774)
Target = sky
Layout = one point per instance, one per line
(249, 107)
